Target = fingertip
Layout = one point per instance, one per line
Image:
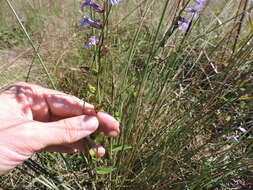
(113, 133)
(108, 119)
(90, 123)
(108, 124)
(99, 150)
(89, 109)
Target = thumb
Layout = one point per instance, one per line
(65, 131)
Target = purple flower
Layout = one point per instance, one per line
(94, 24)
(199, 4)
(240, 128)
(92, 41)
(196, 9)
(93, 5)
(23, 20)
(233, 137)
(185, 23)
(191, 10)
(114, 2)
(183, 26)
(182, 19)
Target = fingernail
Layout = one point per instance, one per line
(87, 105)
(113, 133)
(89, 109)
(117, 130)
(90, 123)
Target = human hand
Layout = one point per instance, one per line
(34, 118)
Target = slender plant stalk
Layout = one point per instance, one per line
(243, 8)
(32, 44)
(31, 65)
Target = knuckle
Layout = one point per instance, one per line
(21, 84)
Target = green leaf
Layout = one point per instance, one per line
(121, 148)
(246, 98)
(104, 170)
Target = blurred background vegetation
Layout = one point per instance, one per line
(178, 103)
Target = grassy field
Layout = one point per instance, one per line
(182, 96)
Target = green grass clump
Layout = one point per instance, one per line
(178, 95)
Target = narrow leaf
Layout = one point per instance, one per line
(121, 148)
(104, 170)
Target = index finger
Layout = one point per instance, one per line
(65, 105)
(46, 104)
